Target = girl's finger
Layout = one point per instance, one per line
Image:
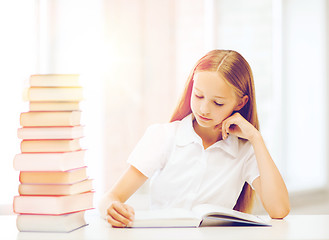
(225, 129)
(130, 210)
(118, 217)
(227, 123)
(114, 222)
(122, 210)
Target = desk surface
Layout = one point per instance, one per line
(292, 227)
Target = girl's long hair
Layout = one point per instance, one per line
(236, 71)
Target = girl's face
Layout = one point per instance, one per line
(212, 100)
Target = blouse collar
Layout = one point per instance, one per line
(186, 135)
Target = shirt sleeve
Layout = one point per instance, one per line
(250, 170)
(150, 153)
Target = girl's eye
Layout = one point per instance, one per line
(218, 104)
(199, 96)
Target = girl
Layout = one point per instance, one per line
(210, 152)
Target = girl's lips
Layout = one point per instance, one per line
(204, 118)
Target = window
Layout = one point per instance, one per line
(304, 80)
(285, 43)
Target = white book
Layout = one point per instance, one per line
(50, 119)
(54, 106)
(199, 216)
(49, 161)
(50, 223)
(65, 94)
(69, 132)
(54, 80)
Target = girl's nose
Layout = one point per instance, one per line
(204, 107)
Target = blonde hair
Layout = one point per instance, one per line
(236, 71)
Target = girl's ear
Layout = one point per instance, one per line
(242, 102)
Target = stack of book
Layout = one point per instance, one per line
(54, 190)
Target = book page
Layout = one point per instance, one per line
(208, 210)
(170, 217)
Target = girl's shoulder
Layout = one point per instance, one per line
(160, 137)
(172, 132)
(165, 130)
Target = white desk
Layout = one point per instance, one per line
(292, 227)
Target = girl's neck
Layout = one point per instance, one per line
(208, 135)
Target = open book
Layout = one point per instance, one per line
(200, 216)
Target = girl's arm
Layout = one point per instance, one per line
(269, 185)
(112, 205)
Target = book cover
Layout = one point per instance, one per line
(53, 205)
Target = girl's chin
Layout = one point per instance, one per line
(209, 124)
(205, 124)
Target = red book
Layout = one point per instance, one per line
(55, 189)
(53, 205)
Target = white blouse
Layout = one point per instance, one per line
(184, 174)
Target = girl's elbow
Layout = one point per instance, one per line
(280, 213)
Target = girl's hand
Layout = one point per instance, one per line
(238, 126)
(120, 214)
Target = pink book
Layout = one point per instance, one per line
(49, 161)
(53, 205)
